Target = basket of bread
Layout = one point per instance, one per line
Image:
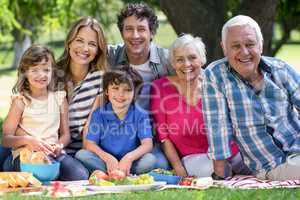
(39, 164)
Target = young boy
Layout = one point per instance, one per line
(120, 135)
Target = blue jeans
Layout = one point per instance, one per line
(93, 162)
(5, 158)
(70, 168)
(161, 160)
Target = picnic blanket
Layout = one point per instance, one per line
(251, 182)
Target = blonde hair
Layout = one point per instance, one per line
(33, 56)
(100, 61)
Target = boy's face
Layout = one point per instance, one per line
(120, 95)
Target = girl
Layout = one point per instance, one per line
(80, 68)
(38, 115)
(119, 135)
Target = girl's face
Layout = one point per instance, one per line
(120, 95)
(39, 76)
(84, 47)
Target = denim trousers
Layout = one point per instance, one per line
(93, 162)
(70, 168)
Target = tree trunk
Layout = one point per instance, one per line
(22, 42)
(264, 12)
(205, 18)
(200, 18)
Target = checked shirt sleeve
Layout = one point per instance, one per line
(216, 115)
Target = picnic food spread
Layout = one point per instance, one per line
(118, 177)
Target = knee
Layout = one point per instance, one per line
(145, 164)
(84, 155)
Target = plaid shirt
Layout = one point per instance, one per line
(264, 123)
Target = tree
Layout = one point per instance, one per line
(205, 18)
(27, 19)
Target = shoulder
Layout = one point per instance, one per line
(20, 100)
(115, 53)
(138, 112)
(160, 81)
(59, 96)
(216, 69)
(274, 63)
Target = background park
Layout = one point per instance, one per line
(23, 22)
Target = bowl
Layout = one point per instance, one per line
(43, 172)
(170, 179)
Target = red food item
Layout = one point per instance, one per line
(100, 175)
(116, 174)
(187, 181)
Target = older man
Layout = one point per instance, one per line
(253, 100)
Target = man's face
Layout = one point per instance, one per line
(243, 51)
(136, 35)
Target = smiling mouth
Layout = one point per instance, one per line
(81, 55)
(186, 71)
(245, 60)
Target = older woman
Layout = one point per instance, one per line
(177, 113)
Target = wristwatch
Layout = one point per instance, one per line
(217, 177)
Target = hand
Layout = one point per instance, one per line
(111, 164)
(57, 149)
(125, 165)
(180, 171)
(35, 144)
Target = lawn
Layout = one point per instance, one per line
(214, 193)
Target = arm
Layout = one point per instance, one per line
(126, 162)
(10, 126)
(161, 126)
(219, 167)
(98, 102)
(64, 130)
(110, 160)
(93, 138)
(173, 157)
(217, 121)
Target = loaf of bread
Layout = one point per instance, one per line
(18, 179)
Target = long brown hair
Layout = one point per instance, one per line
(33, 56)
(100, 61)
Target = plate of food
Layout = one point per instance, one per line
(118, 182)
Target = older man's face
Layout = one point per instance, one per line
(243, 51)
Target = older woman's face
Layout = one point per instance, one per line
(187, 62)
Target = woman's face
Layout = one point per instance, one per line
(84, 47)
(187, 62)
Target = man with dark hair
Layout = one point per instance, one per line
(138, 23)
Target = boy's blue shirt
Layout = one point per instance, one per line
(115, 136)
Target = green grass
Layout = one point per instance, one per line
(184, 194)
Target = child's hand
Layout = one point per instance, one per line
(111, 164)
(57, 149)
(125, 165)
(35, 144)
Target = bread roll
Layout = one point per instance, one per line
(3, 184)
(34, 182)
(25, 156)
(39, 158)
(21, 180)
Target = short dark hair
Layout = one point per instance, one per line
(141, 11)
(126, 75)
